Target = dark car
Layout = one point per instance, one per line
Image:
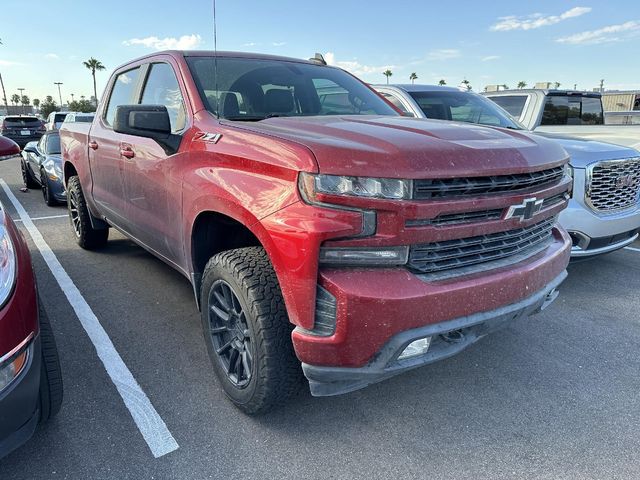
(22, 129)
(42, 167)
(8, 148)
(30, 376)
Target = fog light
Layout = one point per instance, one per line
(415, 348)
(12, 369)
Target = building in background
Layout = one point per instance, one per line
(621, 100)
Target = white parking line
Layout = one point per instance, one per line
(149, 422)
(33, 219)
(632, 249)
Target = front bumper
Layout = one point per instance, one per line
(19, 407)
(325, 381)
(595, 234)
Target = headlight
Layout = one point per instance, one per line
(365, 187)
(7, 265)
(569, 171)
(54, 171)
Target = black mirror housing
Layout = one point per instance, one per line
(149, 121)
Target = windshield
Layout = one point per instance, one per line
(53, 144)
(255, 89)
(463, 107)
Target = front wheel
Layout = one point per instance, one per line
(87, 237)
(247, 330)
(49, 199)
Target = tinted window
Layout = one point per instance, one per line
(59, 117)
(513, 104)
(21, 122)
(280, 88)
(397, 103)
(463, 107)
(572, 110)
(122, 93)
(162, 88)
(53, 144)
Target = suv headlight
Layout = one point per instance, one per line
(365, 187)
(7, 265)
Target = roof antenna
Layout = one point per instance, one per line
(318, 58)
(215, 60)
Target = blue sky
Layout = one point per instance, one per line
(496, 42)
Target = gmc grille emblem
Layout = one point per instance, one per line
(526, 210)
(625, 181)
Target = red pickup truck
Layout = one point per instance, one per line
(316, 224)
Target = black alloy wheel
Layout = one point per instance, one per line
(230, 334)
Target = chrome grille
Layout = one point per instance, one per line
(453, 187)
(614, 185)
(469, 255)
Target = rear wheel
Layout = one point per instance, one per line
(49, 199)
(247, 330)
(87, 237)
(51, 389)
(27, 178)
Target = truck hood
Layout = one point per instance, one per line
(402, 147)
(583, 151)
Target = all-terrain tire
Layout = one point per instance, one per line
(51, 389)
(275, 371)
(87, 237)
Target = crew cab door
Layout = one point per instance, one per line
(152, 178)
(105, 157)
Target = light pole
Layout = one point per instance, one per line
(72, 100)
(59, 94)
(21, 95)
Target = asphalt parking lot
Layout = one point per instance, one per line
(554, 397)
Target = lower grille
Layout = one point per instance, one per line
(614, 185)
(439, 260)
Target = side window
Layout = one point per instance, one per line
(121, 93)
(398, 104)
(556, 111)
(162, 88)
(513, 104)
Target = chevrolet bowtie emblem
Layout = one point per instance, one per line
(526, 210)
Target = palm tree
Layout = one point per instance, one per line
(36, 102)
(557, 84)
(387, 73)
(505, 86)
(466, 83)
(15, 99)
(413, 77)
(442, 83)
(94, 65)
(521, 84)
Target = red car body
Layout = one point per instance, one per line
(8, 148)
(251, 176)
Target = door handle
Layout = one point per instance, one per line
(127, 152)
(93, 145)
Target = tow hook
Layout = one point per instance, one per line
(454, 336)
(551, 296)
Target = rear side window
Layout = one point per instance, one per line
(513, 104)
(122, 93)
(572, 110)
(162, 88)
(59, 117)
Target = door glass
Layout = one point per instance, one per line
(162, 88)
(398, 104)
(513, 104)
(122, 93)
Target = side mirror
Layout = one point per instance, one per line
(30, 147)
(149, 121)
(8, 148)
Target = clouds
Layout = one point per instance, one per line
(443, 54)
(490, 58)
(52, 56)
(610, 33)
(185, 42)
(535, 20)
(7, 63)
(355, 67)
